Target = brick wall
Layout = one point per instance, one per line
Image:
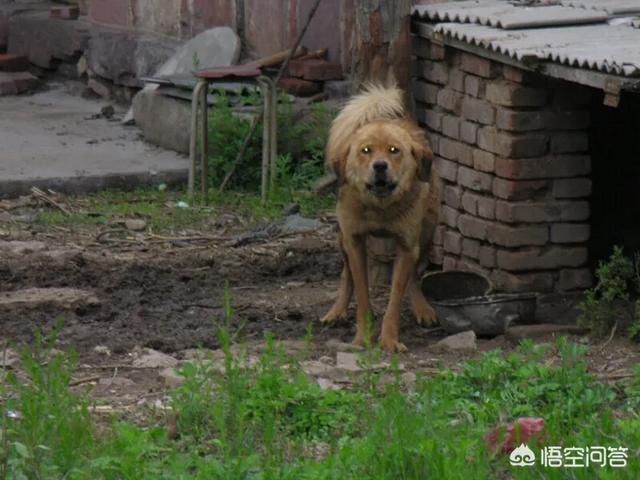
(512, 150)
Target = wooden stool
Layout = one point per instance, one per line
(199, 108)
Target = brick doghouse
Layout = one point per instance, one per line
(518, 124)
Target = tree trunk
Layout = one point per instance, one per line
(381, 42)
(381, 52)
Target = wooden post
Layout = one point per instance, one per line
(381, 51)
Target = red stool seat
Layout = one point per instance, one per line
(234, 72)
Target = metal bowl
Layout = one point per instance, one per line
(463, 301)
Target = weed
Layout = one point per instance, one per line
(608, 302)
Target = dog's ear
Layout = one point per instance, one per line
(424, 160)
(336, 158)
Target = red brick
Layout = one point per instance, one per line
(456, 80)
(519, 190)
(478, 111)
(434, 142)
(468, 265)
(464, 154)
(114, 12)
(524, 282)
(470, 248)
(64, 12)
(449, 263)
(10, 62)
(449, 216)
(570, 232)
(468, 132)
(523, 145)
(487, 256)
(514, 95)
(551, 166)
(484, 161)
(451, 126)
(452, 196)
(539, 212)
(569, 142)
(425, 92)
(436, 254)
(448, 148)
(574, 279)
(436, 72)
(567, 119)
(423, 48)
(473, 227)
(572, 187)
(474, 180)
(433, 120)
(449, 100)
(469, 203)
(474, 86)
(541, 259)
(452, 242)
(299, 87)
(516, 75)
(477, 66)
(521, 236)
(438, 235)
(315, 69)
(447, 170)
(520, 121)
(487, 207)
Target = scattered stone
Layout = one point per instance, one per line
(316, 368)
(409, 380)
(150, 358)
(347, 361)
(172, 378)
(107, 111)
(66, 298)
(327, 384)
(116, 382)
(515, 334)
(339, 346)
(135, 224)
(8, 358)
(291, 209)
(102, 350)
(295, 284)
(464, 341)
(298, 223)
(100, 87)
(22, 248)
(82, 66)
(306, 245)
(13, 83)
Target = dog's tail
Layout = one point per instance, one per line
(376, 102)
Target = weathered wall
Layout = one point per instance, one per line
(512, 148)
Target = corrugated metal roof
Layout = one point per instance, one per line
(508, 29)
(501, 14)
(612, 7)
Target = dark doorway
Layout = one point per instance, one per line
(615, 202)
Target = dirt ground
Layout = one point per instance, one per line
(167, 294)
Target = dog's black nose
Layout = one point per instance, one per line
(380, 166)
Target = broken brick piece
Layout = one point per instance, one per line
(10, 62)
(315, 69)
(299, 87)
(12, 83)
(64, 12)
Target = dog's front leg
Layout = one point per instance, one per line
(403, 268)
(355, 251)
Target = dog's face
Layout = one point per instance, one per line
(384, 159)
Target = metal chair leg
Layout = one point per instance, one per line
(265, 86)
(204, 136)
(193, 146)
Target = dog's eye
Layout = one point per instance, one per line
(366, 150)
(394, 150)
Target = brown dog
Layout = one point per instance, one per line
(379, 157)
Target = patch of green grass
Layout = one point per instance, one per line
(158, 208)
(263, 421)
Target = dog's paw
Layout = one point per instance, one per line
(334, 315)
(425, 314)
(392, 345)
